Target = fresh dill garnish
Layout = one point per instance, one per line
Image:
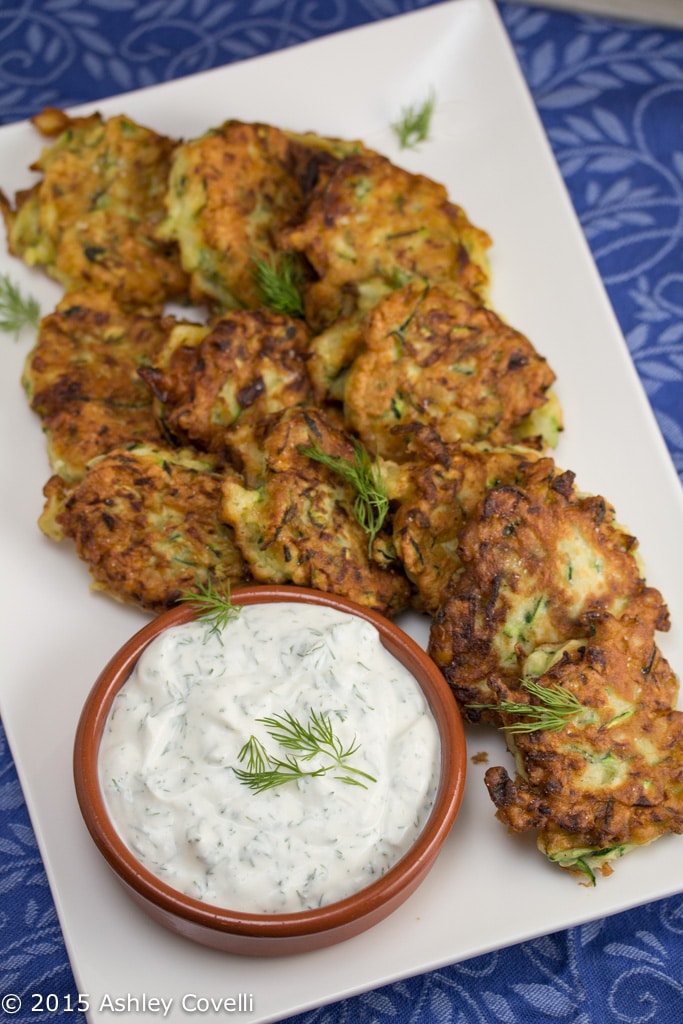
(556, 708)
(278, 279)
(16, 310)
(214, 606)
(256, 756)
(371, 503)
(265, 771)
(414, 124)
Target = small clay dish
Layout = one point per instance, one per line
(272, 934)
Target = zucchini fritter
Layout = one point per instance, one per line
(215, 384)
(146, 521)
(82, 378)
(298, 525)
(91, 220)
(230, 192)
(372, 226)
(435, 355)
(538, 559)
(611, 778)
(435, 491)
(81, 431)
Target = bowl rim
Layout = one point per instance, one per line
(404, 875)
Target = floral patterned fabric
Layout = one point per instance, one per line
(610, 95)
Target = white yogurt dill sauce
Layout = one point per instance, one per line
(176, 729)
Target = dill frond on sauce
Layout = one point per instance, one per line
(304, 741)
(16, 310)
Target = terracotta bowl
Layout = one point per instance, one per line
(272, 934)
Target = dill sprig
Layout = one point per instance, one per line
(556, 708)
(16, 310)
(213, 605)
(278, 280)
(415, 123)
(265, 771)
(371, 504)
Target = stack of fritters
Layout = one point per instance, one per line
(550, 589)
(112, 375)
(231, 193)
(538, 560)
(243, 447)
(611, 778)
(297, 523)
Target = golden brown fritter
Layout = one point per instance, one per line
(230, 192)
(435, 355)
(611, 777)
(215, 384)
(146, 522)
(82, 378)
(298, 526)
(434, 492)
(372, 226)
(91, 220)
(538, 559)
(89, 348)
(81, 431)
(313, 158)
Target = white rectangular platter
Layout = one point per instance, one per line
(488, 889)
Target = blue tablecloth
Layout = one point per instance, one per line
(610, 95)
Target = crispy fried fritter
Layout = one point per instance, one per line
(298, 526)
(313, 158)
(81, 431)
(371, 226)
(230, 192)
(435, 491)
(611, 778)
(82, 379)
(435, 355)
(91, 220)
(146, 522)
(89, 348)
(539, 559)
(215, 384)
